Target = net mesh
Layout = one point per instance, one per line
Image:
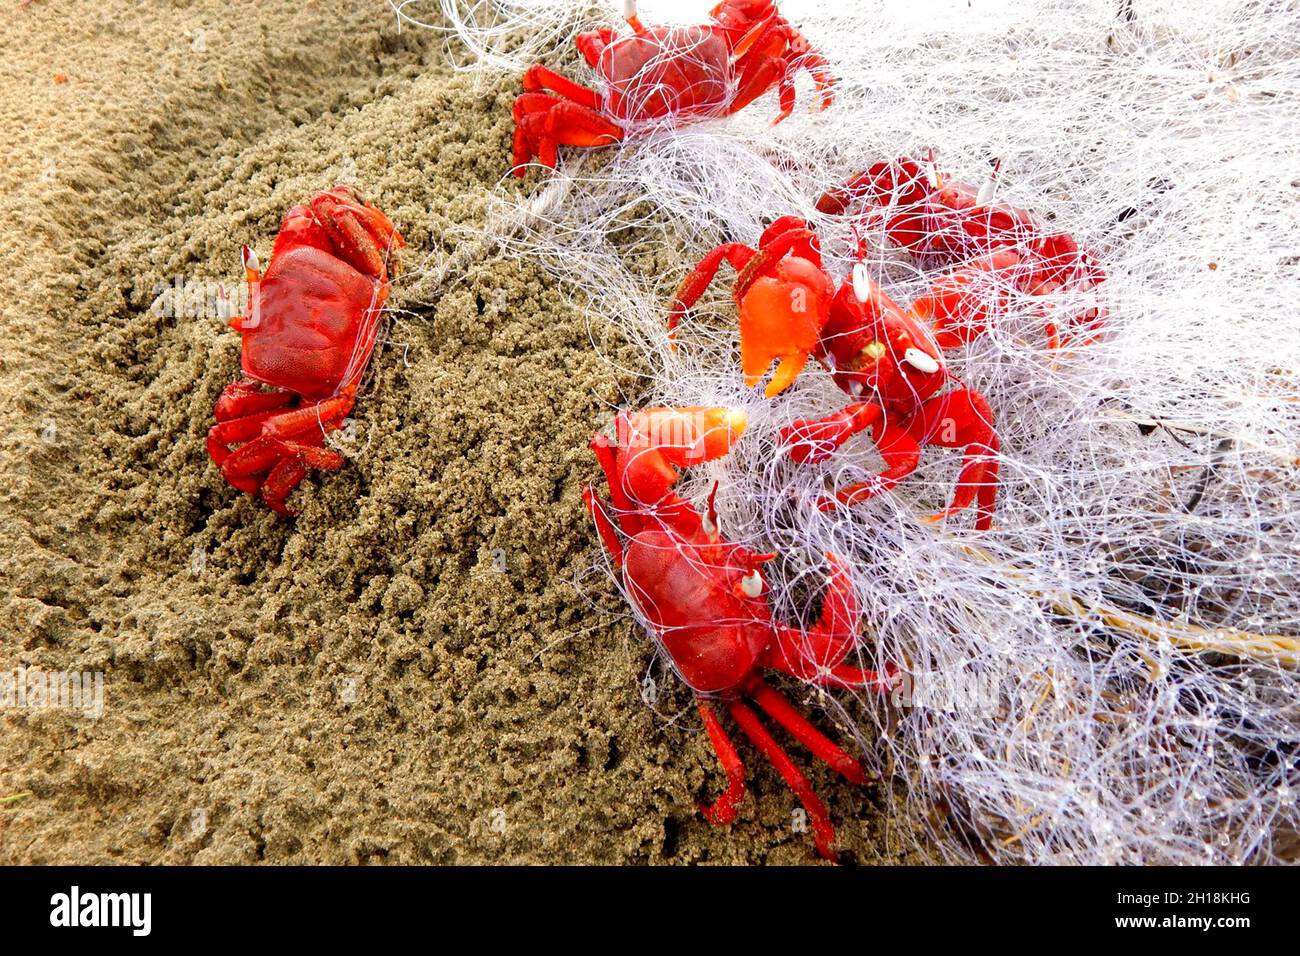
(1110, 674)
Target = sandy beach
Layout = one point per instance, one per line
(425, 666)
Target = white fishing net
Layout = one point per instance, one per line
(1112, 673)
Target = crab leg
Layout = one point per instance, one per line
(963, 418)
(284, 464)
(806, 654)
(802, 729)
(538, 79)
(899, 183)
(607, 457)
(959, 304)
(901, 453)
(693, 286)
(823, 831)
(604, 526)
(820, 70)
(593, 44)
(785, 95)
(815, 440)
(312, 455)
(812, 440)
(544, 122)
(355, 243)
(284, 477)
(859, 678)
(723, 810)
(239, 399)
(255, 457)
(224, 434)
(525, 139)
(760, 75)
(327, 414)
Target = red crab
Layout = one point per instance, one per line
(307, 339)
(702, 598)
(790, 309)
(661, 72)
(951, 222)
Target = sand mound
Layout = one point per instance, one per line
(412, 670)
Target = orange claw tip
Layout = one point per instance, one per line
(781, 318)
(722, 427)
(705, 419)
(737, 420)
(704, 433)
(672, 333)
(786, 372)
(934, 518)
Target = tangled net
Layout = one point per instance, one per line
(1112, 673)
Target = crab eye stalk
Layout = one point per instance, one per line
(861, 282)
(920, 361)
(630, 15)
(932, 176)
(752, 584)
(986, 191)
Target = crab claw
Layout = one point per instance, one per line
(817, 653)
(837, 628)
(362, 235)
(781, 317)
(657, 441)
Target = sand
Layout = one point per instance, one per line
(425, 666)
